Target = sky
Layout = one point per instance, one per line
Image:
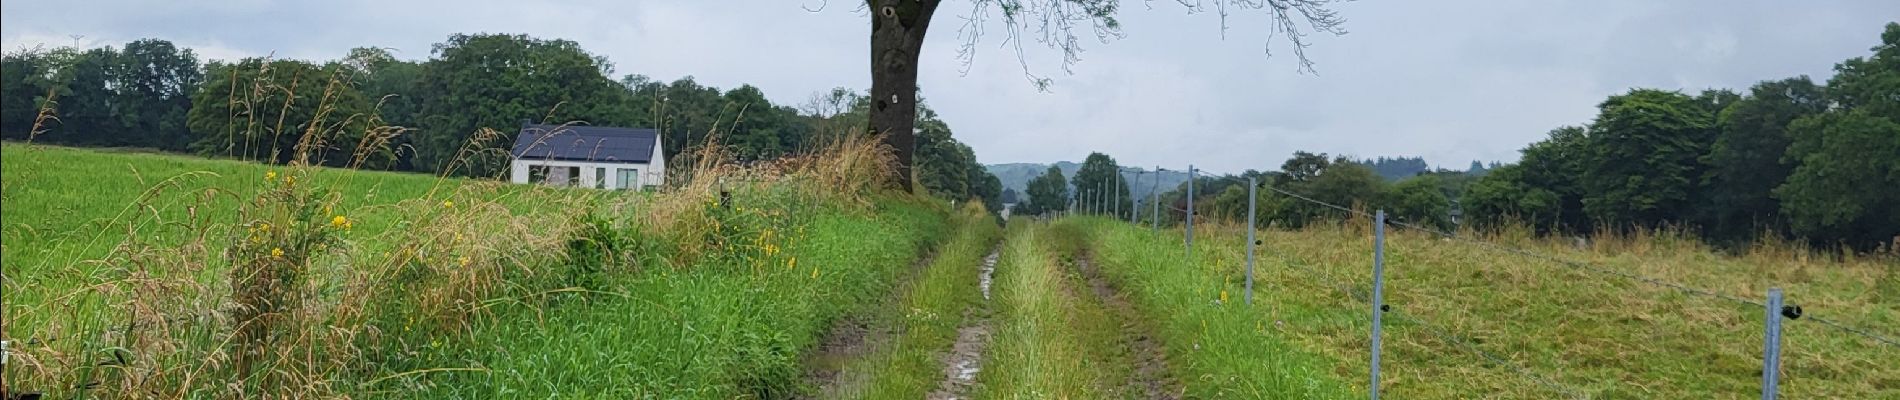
(1451, 81)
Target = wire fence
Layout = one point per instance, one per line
(1364, 296)
(1463, 343)
(1579, 265)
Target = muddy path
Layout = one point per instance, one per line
(965, 359)
(1150, 373)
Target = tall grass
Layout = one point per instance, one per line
(153, 276)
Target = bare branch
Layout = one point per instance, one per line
(1055, 23)
(821, 6)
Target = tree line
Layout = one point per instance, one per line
(422, 116)
(1789, 158)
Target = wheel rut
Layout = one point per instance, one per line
(1150, 373)
(965, 359)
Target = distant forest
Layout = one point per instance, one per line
(417, 115)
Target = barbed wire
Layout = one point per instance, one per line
(1862, 332)
(1443, 334)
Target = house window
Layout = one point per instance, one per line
(629, 178)
(600, 178)
(554, 175)
(537, 173)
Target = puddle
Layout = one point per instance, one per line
(966, 356)
(989, 268)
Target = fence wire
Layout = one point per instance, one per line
(1364, 296)
(1573, 264)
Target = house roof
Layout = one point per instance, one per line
(585, 143)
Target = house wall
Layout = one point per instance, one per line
(657, 176)
(518, 172)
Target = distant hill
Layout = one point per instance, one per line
(1017, 175)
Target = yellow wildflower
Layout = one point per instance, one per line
(276, 252)
(1223, 297)
(448, 204)
(814, 272)
(464, 261)
(340, 222)
(791, 264)
(288, 180)
(263, 226)
(270, 176)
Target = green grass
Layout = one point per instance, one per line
(927, 316)
(440, 288)
(1604, 337)
(1050, 338)
(710, 331)
(1218, 349)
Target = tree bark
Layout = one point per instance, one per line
(897, 38)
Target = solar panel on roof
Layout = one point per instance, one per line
(585, 143)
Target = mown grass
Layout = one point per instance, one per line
(1590, 334)
(364, 284)
(1050, 338)
(926, 316)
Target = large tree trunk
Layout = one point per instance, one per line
(897, 37)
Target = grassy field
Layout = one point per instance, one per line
(144, 275)
(1588, 334)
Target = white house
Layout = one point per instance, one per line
(588, 156)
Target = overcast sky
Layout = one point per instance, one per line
(1451, 81)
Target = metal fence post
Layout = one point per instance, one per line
(1250, 239)
(1115, 194)
(1190, 211)
(1155, 216)
(1378, 294)
(1771, 348)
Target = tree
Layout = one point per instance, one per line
(1847, 183)
(760, 130)
(1009, 195)
(280, 111)
(154, 83)
(85, 106)
(1745, 165)
(491, 81)
(1049, 192)
(393, 89)
(24, 76)
(1099, 172)
(1504, 195)
(1420, 200)
(897, 38)
(1644, 164)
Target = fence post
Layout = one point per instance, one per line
(1115, 194)
(1155, 216)
(1190, 211)
(1378, 294)
(1771, 348)
(1250, 239)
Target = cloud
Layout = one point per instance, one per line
(1452, 81)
